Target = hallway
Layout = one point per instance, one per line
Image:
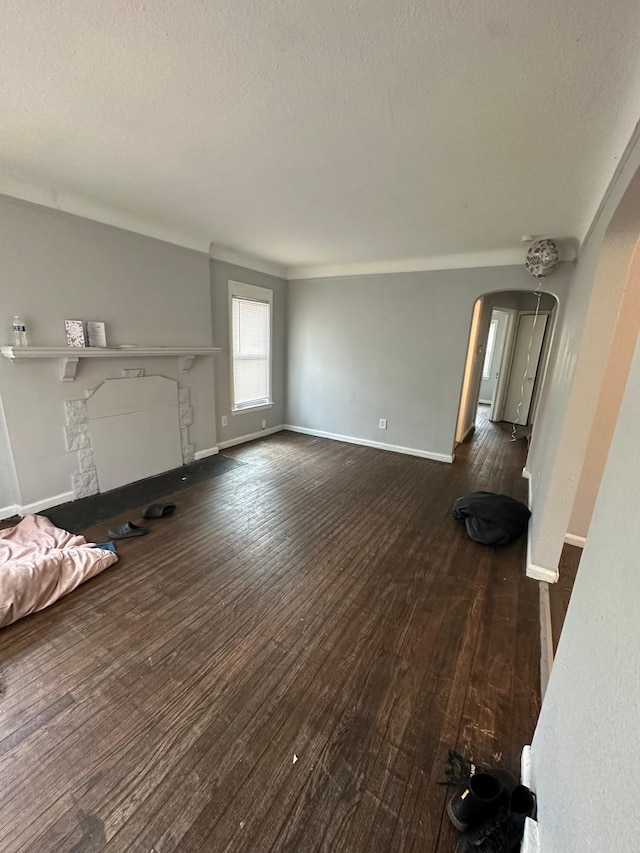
(491, 440)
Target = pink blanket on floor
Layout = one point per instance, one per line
(39, 563)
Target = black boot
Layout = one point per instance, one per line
(481, 799)
(503, 832)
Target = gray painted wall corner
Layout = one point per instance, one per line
(362, 348)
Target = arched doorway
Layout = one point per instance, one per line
(507, 355)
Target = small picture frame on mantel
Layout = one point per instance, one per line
(96, 334)
(76, 333)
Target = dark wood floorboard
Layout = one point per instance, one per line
(316, 600)
(560, 593)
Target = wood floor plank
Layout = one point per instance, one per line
(315, 599)
(560, 593)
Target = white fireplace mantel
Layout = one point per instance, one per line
(69, 357)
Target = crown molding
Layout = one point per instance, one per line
(471, 260)
(567, 248)
(243, 259)
(72, 204)
(618, 180)
(64, 202)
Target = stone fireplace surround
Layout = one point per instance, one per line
(48, 454)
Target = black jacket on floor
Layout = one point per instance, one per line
(492, 519)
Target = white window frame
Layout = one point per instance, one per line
(241, 290)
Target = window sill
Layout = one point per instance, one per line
(252, 408)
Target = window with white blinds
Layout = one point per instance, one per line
(251, 345)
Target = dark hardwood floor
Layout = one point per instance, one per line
(560, 593)
(315, 601)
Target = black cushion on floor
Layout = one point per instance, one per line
(492, 519)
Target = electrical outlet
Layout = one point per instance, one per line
(383, 423)
(224, 420)
(264, 423)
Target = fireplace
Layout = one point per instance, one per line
(126, 430)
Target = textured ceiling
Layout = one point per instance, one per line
(321, 131)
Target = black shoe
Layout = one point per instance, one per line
(502, 833)
(506, 779)
(477, 802)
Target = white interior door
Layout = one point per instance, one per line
(522, 379)
(493, 356)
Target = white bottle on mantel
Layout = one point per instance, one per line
(19, 332)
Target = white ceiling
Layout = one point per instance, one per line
(315, 132)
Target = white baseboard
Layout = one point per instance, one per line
(54, 500)
(527, 475)
(37, 506)
(531, 838)
(231, 442)
(546, 638)
(8, 511)
(578, 541)
(539, 573)
(525, 766)
(202, 454)
(378, 445)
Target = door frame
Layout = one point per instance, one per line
(505, 375)
(497, 405)
(497, 353)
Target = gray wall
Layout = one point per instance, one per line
(613, 386)
(578, 364)
(8, 484)
(389, 346)
(246, 423)
(57, 266)
(554, 472)
(586, 748)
